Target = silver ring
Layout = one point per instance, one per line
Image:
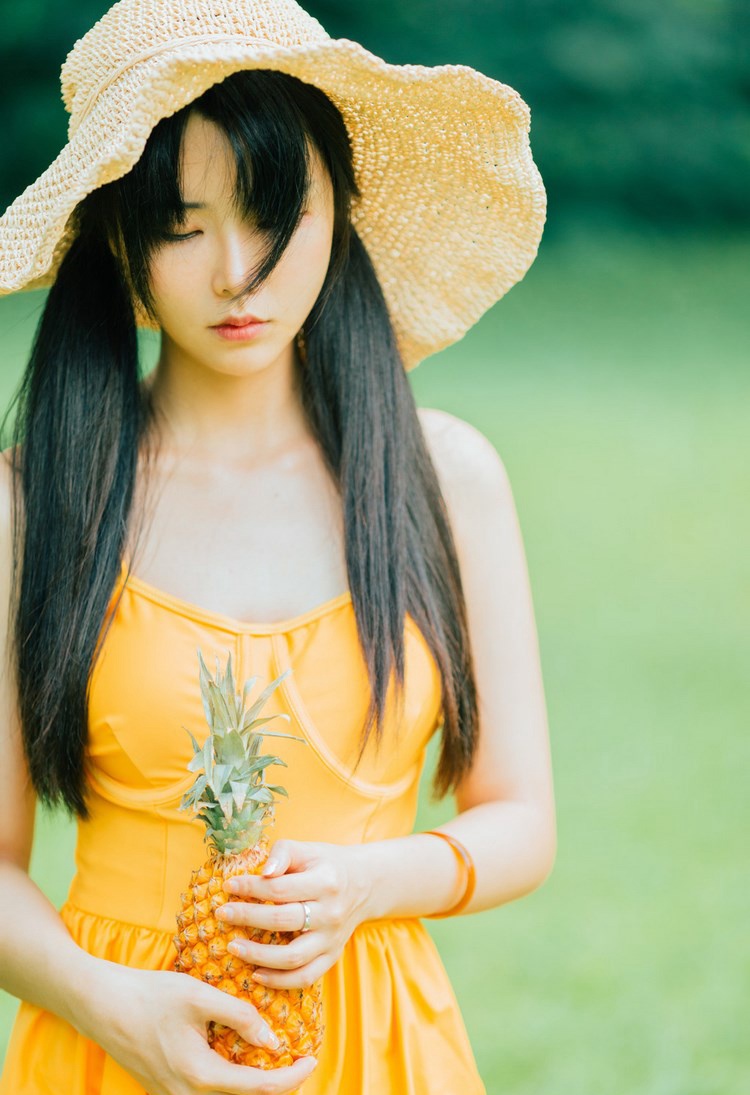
(306, 909)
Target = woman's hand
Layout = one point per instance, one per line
(330, 878)
(153, 1023)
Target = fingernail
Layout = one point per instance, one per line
(268, 1038)
(314, 1061)
(232, 886)
(270, 867)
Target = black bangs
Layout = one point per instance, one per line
(260, 116)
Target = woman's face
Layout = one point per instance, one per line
(194, 277)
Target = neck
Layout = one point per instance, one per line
(222, 416)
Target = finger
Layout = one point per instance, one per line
(285, 957)
(287, 887)
(279, 859)
(300, 978)
(288, 917)
(238, 1014)
(229, 1079)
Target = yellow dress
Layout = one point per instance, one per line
(392, 1022)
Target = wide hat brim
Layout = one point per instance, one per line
(452, 205)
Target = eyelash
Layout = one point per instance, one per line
(174, 237)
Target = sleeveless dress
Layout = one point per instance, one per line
(392, 1022)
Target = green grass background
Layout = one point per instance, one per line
(613, 381)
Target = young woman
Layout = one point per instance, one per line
(285, 500)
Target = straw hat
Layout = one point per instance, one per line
(452, 206)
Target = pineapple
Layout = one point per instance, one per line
(237, 807)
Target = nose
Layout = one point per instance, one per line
(237, 254)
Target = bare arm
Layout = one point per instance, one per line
(39, 961)
(506, 802)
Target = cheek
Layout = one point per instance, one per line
(169, 277)
(307, 260)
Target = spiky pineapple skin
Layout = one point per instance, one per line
(294, 1015)
(237, 807)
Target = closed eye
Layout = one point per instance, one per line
(174, 236)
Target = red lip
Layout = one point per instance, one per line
(238, 321)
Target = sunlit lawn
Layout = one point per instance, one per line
(613, 381)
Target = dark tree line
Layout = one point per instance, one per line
(639, 109)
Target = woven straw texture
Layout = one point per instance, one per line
(452, 207)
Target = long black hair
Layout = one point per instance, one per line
(84, 419)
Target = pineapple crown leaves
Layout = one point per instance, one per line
(230, 791)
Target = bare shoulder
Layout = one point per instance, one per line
(469, 468)
(461, 452)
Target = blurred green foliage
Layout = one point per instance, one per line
(638, 109)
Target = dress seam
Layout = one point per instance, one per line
(317, 742)
(67, 904)
(229, 624)
(169, 934)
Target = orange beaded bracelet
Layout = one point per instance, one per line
(467, 863)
